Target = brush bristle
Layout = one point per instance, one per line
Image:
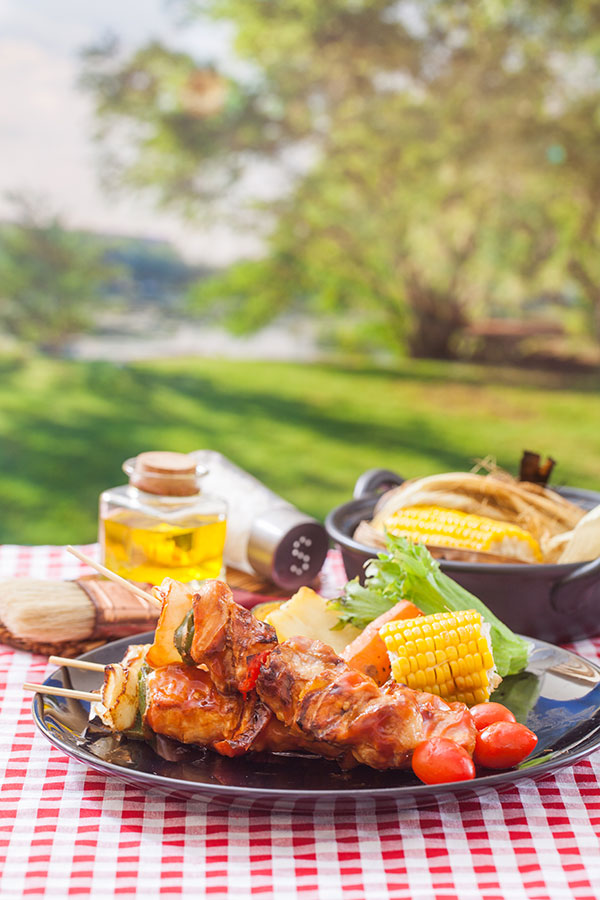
(46, 611)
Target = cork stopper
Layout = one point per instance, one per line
(164, 472)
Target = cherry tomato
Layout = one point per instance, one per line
(503, 745)
(438, 760)
(485, 714)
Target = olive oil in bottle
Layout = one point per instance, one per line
(161, 524)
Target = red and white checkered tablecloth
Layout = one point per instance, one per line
(66, 830)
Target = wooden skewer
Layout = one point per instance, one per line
(76, 663)
(114, 577)
(62, 692)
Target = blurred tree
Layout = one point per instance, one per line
(50, 278)
(148, 270)
(437, 158)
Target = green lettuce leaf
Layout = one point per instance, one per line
(408, 571)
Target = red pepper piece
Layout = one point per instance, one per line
(254, 667)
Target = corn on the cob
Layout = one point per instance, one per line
(440, 527)
(447, 654)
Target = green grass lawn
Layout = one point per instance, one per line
(307, 431)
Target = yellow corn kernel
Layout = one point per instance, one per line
(446, 654)
(441, 527)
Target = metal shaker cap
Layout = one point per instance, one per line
(287, 546)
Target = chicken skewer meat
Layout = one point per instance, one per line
(227, 639)
(314, 692)
(181, 702)
(316, 697)
(211, 630)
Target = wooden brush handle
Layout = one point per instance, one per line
(119, 612)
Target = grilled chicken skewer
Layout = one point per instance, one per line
(313, 693)
(226, 638)
(234, 689)
(182, 702)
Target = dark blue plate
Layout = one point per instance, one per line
(558, 697)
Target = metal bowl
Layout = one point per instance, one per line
(557, 603)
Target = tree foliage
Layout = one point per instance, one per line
(50, 278)
(441, 158)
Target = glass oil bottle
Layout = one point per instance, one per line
(161, 523)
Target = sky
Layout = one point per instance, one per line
(46, 123)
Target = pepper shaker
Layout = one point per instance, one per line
(266, 535)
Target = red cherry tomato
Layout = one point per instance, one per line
(439, 760)
(485, 714)
(503, 745)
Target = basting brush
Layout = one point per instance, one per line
(39, 613)
(72, 616)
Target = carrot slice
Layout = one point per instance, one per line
(367, 652)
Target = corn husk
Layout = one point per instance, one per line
(540, 511)
(584, 540)
(554, 547)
